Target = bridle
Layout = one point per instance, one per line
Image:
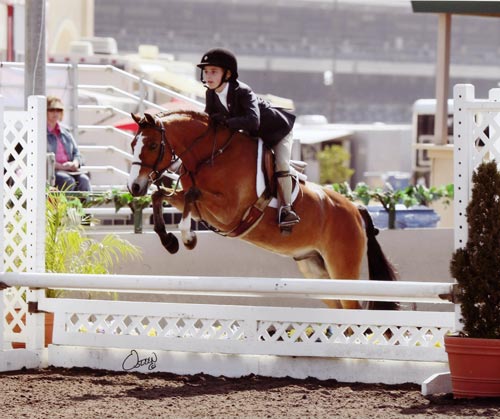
(156, 173)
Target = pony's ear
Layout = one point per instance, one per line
(150, 119)
(135, 117)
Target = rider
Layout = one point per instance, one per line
(232, 103)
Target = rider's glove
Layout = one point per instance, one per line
(219, 119)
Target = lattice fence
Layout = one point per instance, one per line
(250, 330)
(24, 139)
(476, 125)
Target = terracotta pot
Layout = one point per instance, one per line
(474, 366)
(49, 326)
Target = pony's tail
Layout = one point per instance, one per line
(379, 267)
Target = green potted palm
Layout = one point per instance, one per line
(474, 353)
(69, 250)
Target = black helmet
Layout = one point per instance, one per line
(220, 57)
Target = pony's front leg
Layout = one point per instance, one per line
(168, 240)
(188, 236)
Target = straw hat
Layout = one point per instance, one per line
(54, 102)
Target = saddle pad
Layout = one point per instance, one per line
(261, 184)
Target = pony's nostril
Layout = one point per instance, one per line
(135, 188)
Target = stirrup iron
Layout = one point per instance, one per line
(287, 217)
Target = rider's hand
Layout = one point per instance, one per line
(219, 119)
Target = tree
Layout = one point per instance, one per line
(476, 267)
(333, 162)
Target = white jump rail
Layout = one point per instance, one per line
(249, 287)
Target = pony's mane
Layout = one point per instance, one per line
(172, 116)
(175, 114)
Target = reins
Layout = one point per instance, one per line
(156, 174)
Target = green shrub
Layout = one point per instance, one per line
(333, 165)
(476, 267)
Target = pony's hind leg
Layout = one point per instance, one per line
(345, 263)
(313, 266)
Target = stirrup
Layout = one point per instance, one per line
(287, 217)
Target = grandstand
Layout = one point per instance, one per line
(381, 55)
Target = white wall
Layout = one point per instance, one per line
(419, 255)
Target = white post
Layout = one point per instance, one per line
(462, 93)
(35, 322)
(36, 186)
(462, 144)
(2, 183)
(37, 180)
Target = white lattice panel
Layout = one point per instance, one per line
(23, 205)
(251, 330)
(476, 127)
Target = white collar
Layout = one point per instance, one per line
(223, 95)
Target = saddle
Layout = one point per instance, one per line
(266, 188)
(266, 180)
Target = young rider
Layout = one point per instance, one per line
(233, 103)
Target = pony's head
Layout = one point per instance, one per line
(152, 154)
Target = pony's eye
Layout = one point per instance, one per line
(153, 146)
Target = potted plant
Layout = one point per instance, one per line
(416, 196)
(474, 354)
(69, 250)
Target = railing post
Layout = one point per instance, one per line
(73, 111)
(142, 95)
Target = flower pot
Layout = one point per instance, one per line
(474, 366)
(49, 326)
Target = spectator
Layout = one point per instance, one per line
(63, 145)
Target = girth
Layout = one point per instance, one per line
(255, 213)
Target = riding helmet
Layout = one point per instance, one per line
(221, 57)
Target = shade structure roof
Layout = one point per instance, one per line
(475, 7)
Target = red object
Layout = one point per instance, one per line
(474, 366)
(10, 32)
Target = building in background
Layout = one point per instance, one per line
(350, 60)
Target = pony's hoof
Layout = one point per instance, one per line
(172, 244)
(191, 243)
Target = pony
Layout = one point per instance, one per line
(216, 169)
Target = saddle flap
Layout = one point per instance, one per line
(268, 170)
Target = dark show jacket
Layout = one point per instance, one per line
(251, 113)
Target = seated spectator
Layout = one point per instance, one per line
(63, 145)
